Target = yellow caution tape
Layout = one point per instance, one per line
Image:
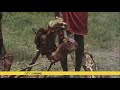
(59, 73)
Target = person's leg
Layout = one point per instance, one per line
(79, 52)
(63, 62)
(58, 14)
(51, 42)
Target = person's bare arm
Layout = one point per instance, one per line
(59, 14)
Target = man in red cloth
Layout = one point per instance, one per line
(78, 25)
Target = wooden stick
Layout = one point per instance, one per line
(34, 60)
(24, 69)
(31, 64)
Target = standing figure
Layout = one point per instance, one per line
(2, 48)
(77, 25)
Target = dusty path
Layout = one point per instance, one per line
(106, 61)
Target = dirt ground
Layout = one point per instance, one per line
(105, 60)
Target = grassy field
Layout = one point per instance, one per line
(102, 40)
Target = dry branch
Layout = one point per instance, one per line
(34, 60)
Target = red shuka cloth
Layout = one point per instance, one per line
(77, 22)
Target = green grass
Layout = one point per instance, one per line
(104, 32)
(18, 34)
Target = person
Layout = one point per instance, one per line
(0, 33)
(78, 25)
(2, 48)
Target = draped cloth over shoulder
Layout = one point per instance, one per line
(77, 22)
